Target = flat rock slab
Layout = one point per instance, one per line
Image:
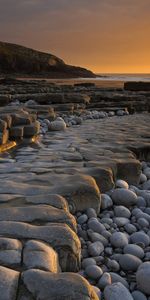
(38, 214)
(81, 191)
(59, 236)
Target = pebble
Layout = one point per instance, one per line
(95, 225)
(113, 265)
(122, 184)
(120, 221)
(130, 228)
(104, 281)
(140, 237)
(106, 201)
(129, 262)
(141, 202)
(82, 219)
(143, 278)
(143, 178)
(95, 249)
(117, 291)
(119, 239)
(122, 211)
(93, 271)
(90, 212)
(88, 261)
(124, 197)
(94, 236)
(117, 278)
(137, 295)
(134, 250)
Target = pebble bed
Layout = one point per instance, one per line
(116, 242)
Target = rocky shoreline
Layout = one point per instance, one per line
(74, 194)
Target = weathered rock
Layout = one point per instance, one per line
(40, 213)
(104, 280)
(106, 201)
(8, 283)
(117, 291)
(96, 248)
(38, 255)
(137, 295)
(45, 285)
(59, 236)
(124, 197)
(122, 211)
(142, 278)
(93, 272)
(119, 240)
(129, 262)
(140, 237)
(117, 278)
(10, 252)
(134, 250)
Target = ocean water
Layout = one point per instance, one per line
(124, 77)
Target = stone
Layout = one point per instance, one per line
(134, 250)
(57, 125)
(142, 278)
(96, 248)
(137, 295)
(143, 178)
(38, 255)
(82, 194)
(146, 185)
(140, 237)
(119, 240)
(130, 228)
(46, 285)
(40, 213)
(117, 278)
(3, 125)
(32, 129)
(104, 280)
(82, 219)
(93, 271)
(117, 291)
(8, 283)
(10, 252)
(50, 199)
(122, 184)
(16, 132)
(120, 221)
(122, 211)
(4, 137)
(106, 201)
(95, 225)
(129, 262)
(124, 197)
(94, 237)
(59, 236)
(87, 262)
(90, 212)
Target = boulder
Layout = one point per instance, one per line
(66, 286)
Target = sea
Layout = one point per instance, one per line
(124, 77)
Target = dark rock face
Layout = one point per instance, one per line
(15, 59)
(137, 86)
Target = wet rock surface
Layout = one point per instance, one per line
(75, 172)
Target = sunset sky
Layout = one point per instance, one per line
(102, 35)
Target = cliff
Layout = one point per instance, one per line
(18, 60)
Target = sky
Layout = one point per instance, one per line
(105, 36)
